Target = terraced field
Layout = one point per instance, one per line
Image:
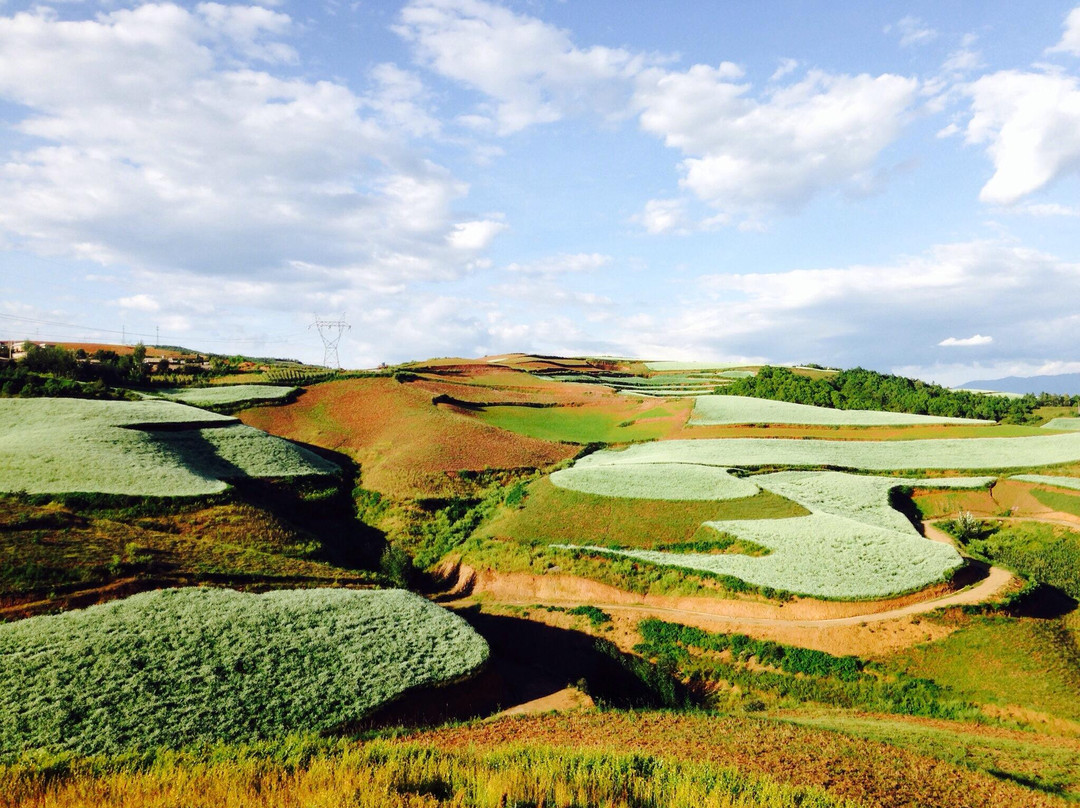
(137, 448)
(713, 410)
(181, 666)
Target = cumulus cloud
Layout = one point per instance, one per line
(748, 156)
(966, 342)
(1030, 125)
(873, 314)
(475, 235)
(155, 142)
(532, 71)
(1070, 39)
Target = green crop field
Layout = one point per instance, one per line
(1046, 479)
(713, 410)
(953, 453)
(1065, 424)
(852, 545)
(138, 448)
(232, 395)
(655, 481)
(181, 666)
(581, 424)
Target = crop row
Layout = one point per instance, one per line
(710, 410)
(674, 481)
(183, 666)
(853, 544)
(953, 453)
(138, 448)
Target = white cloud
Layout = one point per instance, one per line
(139, 303)
(155, 144)
(664, 216)
(912, 31)
(532, 70)
(562, 264)
(872, 314)
(475, 235)
(747, 156)
(1030, 123)
(1070, 39)
(786, 66)
(966, 342)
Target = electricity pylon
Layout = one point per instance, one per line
(330, 331)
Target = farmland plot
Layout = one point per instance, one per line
(1046, 479)
(954, 453)
(1064, 424)
(232, 395)
(714, 410)
(184, 666)
(852, 545)
(138, 448)
(674, 481)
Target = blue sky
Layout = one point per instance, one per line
(887, 185)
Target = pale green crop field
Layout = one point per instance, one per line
(229, 395)
(1046, 479)
(953, 453)
(668, 481)
(138, 448)
(185, 666)
(1065, 424)
(714, 410)
(853, 545)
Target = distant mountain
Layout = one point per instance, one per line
(1061, 383)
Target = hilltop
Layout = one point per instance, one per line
(836, 578)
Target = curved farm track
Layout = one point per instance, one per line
(856, 627)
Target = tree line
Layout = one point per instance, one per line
(861, 389)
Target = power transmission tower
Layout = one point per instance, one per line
(330, 331)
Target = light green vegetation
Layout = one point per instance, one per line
(550, 514)
(1041, 762)
(956, 453)
(233, 395)
(778, 675)
(182, 666)
(1004, 661)
(664, 366)
(672, 481)
(579, 424)
(304, 771)
(1046, 479)
(998, 393)
(138, 448)
(711, 410)
(852, 545)
(1058, 500)
(1064, 424)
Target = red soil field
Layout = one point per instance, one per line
(406, 445)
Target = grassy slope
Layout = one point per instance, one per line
(1007, 662)
(870, 772)
(559, 515)
(54, 549)
(408, 775)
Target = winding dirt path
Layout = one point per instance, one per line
(525, 590)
